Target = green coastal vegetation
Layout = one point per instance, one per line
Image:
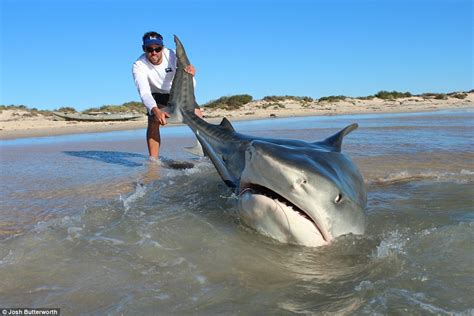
(229, 103)
(287, 97)
(235, 102)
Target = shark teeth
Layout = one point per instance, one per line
(261, 190)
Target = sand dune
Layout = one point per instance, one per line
(18, 123)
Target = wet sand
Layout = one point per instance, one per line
(21, 124)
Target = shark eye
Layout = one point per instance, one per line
(301, 181)
(338, 198)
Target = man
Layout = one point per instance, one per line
(153, 73)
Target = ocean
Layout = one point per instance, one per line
(89, 225)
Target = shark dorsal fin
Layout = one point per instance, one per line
(227, 125)
(335, 140)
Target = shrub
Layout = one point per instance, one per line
(460, 96)
(229, 103)
(369, 97)
(14, 107)
(332, 98)
(385, 95)
(441, 96)
(67, 109)
(45, 112)
(131, 106)
(275, 105)
(135, 106)
(273, 98)
(34, 112)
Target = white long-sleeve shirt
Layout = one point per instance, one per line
(151, 78)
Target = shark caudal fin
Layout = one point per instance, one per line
(335, 140)
(182, 101)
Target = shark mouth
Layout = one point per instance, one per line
(261, 190)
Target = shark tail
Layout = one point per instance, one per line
(182, 101)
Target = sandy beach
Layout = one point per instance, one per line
(21, 124)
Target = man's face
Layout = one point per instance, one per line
(153, 53)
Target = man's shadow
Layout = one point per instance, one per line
(113, 157)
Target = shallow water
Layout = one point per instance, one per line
(87, 224)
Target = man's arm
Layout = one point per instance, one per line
(141, 82)
(159, 116)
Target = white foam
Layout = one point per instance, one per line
(11, 258)
(417, 298)
(108, 240)
(201, 279)
(162, 297)
(140, 191)
(465, 172)
(428, 231)
(394, 243)
(147, 240)
(46, 288)
(364, 286)
(73, 233)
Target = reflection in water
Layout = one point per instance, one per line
(113, 157)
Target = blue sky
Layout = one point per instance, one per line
(75, 53)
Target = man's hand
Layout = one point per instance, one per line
(190, 69)
(160, 116)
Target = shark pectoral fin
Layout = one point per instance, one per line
(218, 163)
(225, 124)
(196, 150)
(336, 140)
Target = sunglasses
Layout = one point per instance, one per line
(151, 49)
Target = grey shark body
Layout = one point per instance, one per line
(294, 191)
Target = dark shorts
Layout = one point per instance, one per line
(161, 100)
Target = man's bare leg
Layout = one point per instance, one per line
(153, 137)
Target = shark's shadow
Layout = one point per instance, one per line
(112, 157)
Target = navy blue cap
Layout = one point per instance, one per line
(152, 40)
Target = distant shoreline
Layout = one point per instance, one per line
(21, 124)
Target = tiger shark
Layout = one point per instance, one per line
(297, 192)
